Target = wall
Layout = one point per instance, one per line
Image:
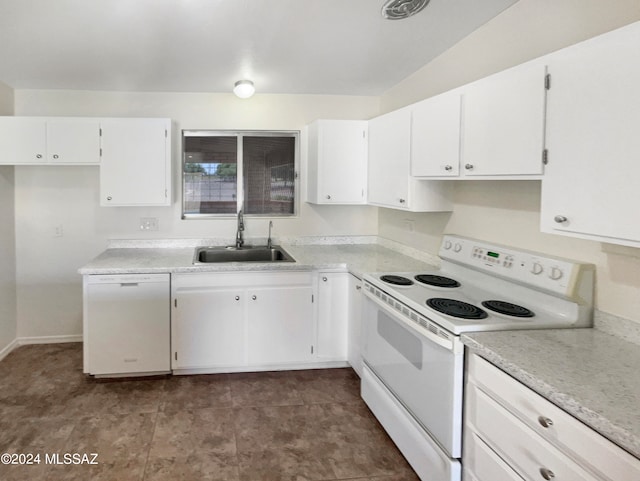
(49, 289)
(7, 239)
(508, 212)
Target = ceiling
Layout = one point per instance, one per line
(342, 47)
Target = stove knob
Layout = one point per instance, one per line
(556, 273)
(536, 268)
(447, 245)
(457, 247)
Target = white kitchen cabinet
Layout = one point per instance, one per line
(337, 162)
(512, 433)
(389, 181)
(355, 299)
(280, 320)
(590, 185)
(126, 324)
(234, 321)
(136, 162)
(435, 136)
(208, 327)
(504, 123)
(45, 140)
(332, 320)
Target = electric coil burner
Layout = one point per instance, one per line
(508, 309)
(396, 280)
(437, 281)
(459, 309)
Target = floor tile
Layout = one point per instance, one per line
(197, 444)
(276, 388)
(122, 443)
(328, 386)
(194, 392)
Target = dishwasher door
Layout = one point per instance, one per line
(127, 324)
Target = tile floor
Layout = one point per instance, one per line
(294, 425)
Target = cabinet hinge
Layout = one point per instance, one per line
(545, 156)
(362, 194)
(176, 355)
(165, 133)
(100, 132)
(547, 81)
(175, 303)
(166, 193)
(100, 151)
(312, 298)
(295, 175)
(364, 134)
(311, 349)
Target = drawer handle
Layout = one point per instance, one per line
(237, 298)
(254, 297)
(547, 474)
(545, 422)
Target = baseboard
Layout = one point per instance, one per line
(8, 348)
(22, 341)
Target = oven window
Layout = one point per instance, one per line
(407, 344)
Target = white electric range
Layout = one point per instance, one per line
(412, 321)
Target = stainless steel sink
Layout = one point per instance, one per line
(206, 255)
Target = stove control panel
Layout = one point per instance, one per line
(554, 274)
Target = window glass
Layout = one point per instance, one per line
(224, 172)
(269, 175)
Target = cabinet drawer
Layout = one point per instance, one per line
(574, 438)
(527, 452)
(483, 464)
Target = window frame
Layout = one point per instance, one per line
(240, 134)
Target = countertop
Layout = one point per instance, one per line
(592, 375)
(355, 258)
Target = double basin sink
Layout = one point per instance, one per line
(216, 254)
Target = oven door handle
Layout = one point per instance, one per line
(449, 344)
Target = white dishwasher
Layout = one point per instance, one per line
(126, 324)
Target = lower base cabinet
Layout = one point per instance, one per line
(511, 434)
(231, 321)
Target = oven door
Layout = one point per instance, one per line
(421, 369)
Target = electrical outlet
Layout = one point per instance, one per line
(148, 223)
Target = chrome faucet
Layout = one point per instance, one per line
(239, 239)
(269, 238)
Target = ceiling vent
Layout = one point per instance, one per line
(399, 9)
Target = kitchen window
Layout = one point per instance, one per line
(225, 171)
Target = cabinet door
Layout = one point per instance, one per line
(127, 324)
(435, 136)
(389, 145)
(337, 162)
(356, 299)
(590, 186)
(333, 312)
(504, 121)
(73, 141)
(208, 328)
(280, 325)
(136, 162)
(22, 140)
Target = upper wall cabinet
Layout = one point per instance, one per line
(337, 162)
(390, 183)
(590, 188)
(435, 136)
(503, 123)
(136, 162)
(41, 140)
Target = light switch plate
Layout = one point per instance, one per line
(148, 223)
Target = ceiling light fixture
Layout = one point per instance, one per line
(400, 9)
(244, 89)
